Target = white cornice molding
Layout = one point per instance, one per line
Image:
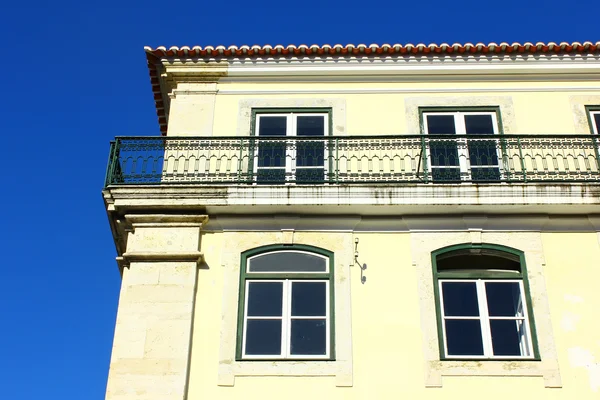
(266, 91)
(412, 223)
(424, 66)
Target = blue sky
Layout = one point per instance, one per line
(74, 76)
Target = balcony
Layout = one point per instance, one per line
(354, 160)
(367, 176)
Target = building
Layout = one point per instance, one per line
(361, 222)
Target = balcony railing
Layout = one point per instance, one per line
(353, 159)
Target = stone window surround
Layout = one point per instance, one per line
(581, 119)
(422, 245)
(338, 108)
(506, 117)
(341, 368)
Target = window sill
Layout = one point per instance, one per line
(341, 370)
(488, 367)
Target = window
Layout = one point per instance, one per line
(458, 148)
(291, 148)
(482, 303)
(287, 308)
(594, 116)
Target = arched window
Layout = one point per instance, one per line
(482, 303)
(286, 304)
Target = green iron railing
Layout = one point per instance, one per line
(353, 159)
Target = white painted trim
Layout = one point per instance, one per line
(365, 90)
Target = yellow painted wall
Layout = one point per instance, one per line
(386, 328)
(536, 112)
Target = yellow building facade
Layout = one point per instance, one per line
(361, 222)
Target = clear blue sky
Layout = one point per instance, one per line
(74, 76)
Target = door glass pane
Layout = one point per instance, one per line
(460, 299)
(479, 124)
(506, 337)
(310, 153)
(310, 125)
(440, 125)
(287, 261)
(271, 153)
(308, 337)
(263, 337)
(463, 337)
(265, 299)
(270, 176)
(272, 126)
(443, 153)
(310, 175)
(504, 299)
(482, 152)
(309, 299)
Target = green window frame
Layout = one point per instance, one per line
(286, 304)
(483, 303)
(593, 115)
(461, 154)
(287, 155)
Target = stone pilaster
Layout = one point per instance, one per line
(150, 357)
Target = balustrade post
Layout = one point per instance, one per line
(423, 158)
(337, 160)
(109, 164)
(521, 159)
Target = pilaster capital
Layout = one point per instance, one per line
(166, 220)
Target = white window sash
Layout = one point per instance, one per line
(286, 318)
(525, 342)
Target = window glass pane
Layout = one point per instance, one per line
(596, 118)
(463, 337)
(265, 299)
(263, 337)
(459, 261)
(479, 124)
(460, 299)
(440, 125)
(272, 126)
(308, 337)
(506, 337)
(504, 299)
(313, 125)
(287, 261)
(309, 299)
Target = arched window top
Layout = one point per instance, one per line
(481, 259)
(288, 261)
